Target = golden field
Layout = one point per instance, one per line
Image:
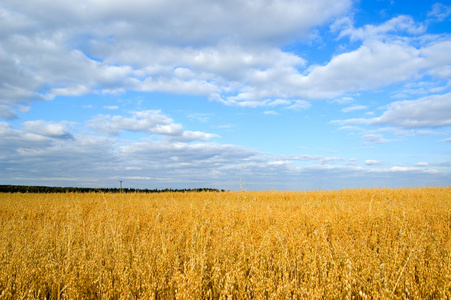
(346, 244)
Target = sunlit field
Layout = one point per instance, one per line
(347, 244)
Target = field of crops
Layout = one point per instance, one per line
(347, 244)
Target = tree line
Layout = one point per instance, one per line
(53, 189)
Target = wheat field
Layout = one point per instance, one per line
(346, 244)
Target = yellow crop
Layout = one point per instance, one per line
(347, 244)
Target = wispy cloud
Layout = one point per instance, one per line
(299, 105)
(371, 162)
(439, 12)
(353, 108)
(201, 117)
(395, 25)
(371, 138)
(343, 100)
(270, 112)
(111, 107)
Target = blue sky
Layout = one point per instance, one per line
(282, 95)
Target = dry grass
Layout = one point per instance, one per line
(362, 243)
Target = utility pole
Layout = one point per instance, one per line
(121, 185)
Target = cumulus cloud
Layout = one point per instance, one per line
(436, 59)
(7, 113)
(48, 129)
(162, 21)
(227, 52)
(145, 121)
(26, 143)
(430, 111)
(148, 121)
(50, 49)
(373, 65)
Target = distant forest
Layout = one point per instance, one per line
(50, 189)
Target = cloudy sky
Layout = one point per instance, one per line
(256, 94)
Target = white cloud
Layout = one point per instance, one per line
(371, 162)
(271, 112)
(331, 160)
(241, 102)
(201, 21)
(375, 64)
(397, 24)
(352, 162)
(439, 12)
(67, 91)
(149, 121)
(111, 107)
(277, 102)
(420, 88)
(354, 108)
(48, 129)
(97, 161)
(226, 51)
(442, 164)
(437, 59)
(201, 117)
(343, 100)
(7, 113)
(299, 105)
(430, 132)
(322, 160)
(60, 35)
(144, 121)
(196, 136)
(408, 169)
(371, 138)
(431, 111)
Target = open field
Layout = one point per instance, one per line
(361, 243)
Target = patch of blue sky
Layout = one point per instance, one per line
(74, 109)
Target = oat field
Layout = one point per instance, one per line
(346, 244)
